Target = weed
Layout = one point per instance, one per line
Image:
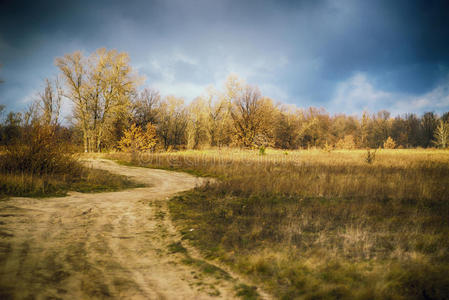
(247, 292)
(370, 156)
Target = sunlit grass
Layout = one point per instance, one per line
(87, 180)
(313, 224)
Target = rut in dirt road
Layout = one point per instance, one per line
(106, 245)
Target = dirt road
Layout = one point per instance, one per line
(106, 245)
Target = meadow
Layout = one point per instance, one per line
(314, 224)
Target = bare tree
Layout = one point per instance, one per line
(173, 123)
(146, 107)
(252, 116)
(197, 127)
(287, 128)
(100, 88)
(49, 102)
(72, 67)
(442, 134)
(218, 118)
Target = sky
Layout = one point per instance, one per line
(346, 56)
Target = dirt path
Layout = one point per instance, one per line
(107, 245)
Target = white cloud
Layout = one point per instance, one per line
(358, 94)
(435, 100)
(186, 90)
(187, 75)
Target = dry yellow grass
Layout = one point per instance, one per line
(39, 164)
(313, 224)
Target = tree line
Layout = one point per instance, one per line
(110, 110)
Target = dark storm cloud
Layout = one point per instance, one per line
(324, 53)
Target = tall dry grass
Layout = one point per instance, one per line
(39, 163)
(314, 225)
(402, 175)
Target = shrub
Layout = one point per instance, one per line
(136, 140)
(38, 152)
(38, 163)
(346, 143)
(389, 143)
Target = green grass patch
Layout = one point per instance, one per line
(247, 292)
(207, 268)
(177, 247)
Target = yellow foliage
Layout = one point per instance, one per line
(389, 143)
(346, 143)
(135, 139)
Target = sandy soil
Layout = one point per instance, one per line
(106, 245)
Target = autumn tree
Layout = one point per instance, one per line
(341, 127)
(399, 131)
(218, 118)
(11, 127)
(364, 130)
(441, 137)
(100, 88)
(286, 131)
(252, 116)
(412, 130)
(136, 140)
(146, 107)
(49, 103)
(197, 128)
(173, 121)
(314, 129)
(346, 143)
(380, 128)
(429, 123)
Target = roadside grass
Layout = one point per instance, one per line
(319, 225)
(247, 292)
(84, 180)
(211, 270)
(38, 164)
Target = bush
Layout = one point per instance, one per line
(136, 140)
(38, 152)
(389, 143)
(346, 143)
(39, 163)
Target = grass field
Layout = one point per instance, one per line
(320, 225)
